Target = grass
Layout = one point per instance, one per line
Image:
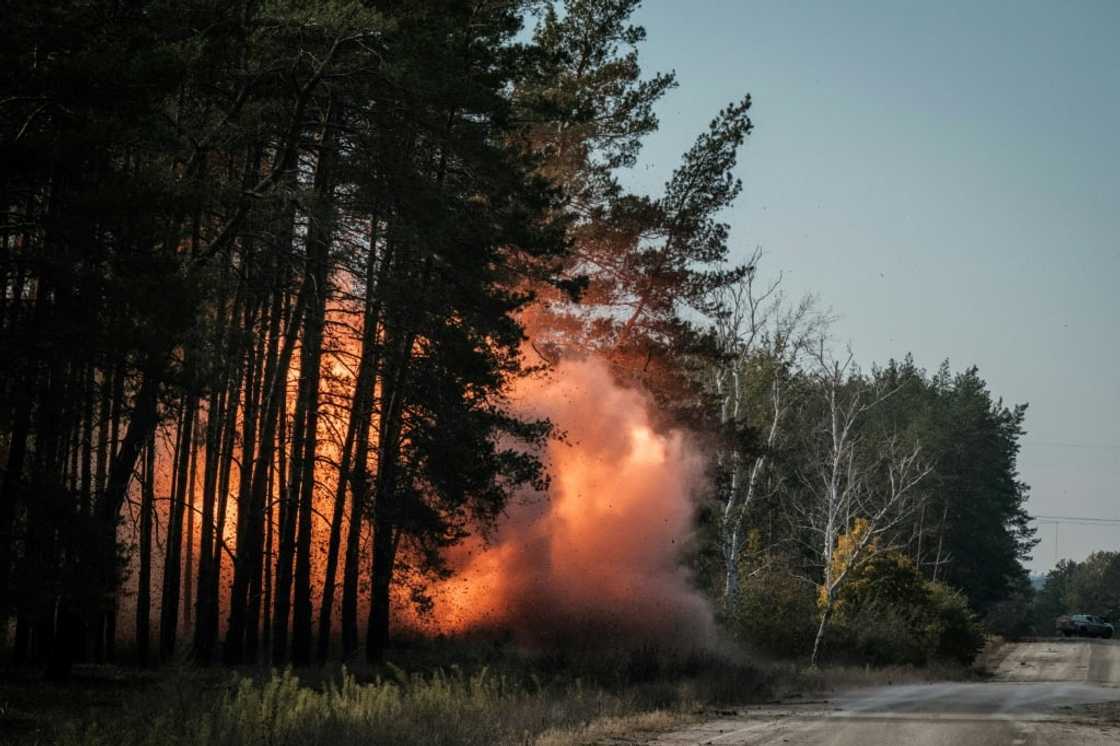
(441, 708)
(517, 699)
(489, 695)
(835, 678)
(617, 729)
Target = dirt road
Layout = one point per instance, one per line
(1053, 692)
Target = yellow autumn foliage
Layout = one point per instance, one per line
(844, 555)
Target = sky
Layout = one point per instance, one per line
(945, 177)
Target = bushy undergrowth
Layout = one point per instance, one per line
(899, 619)
(1014, 618)
(775, 614)
(879, 636)
(953, 628)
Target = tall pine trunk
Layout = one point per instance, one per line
(172, 566)
(361, 419)
(319, 237)
(144, 586)
(385, 530)
(247, 563)
(221, 424)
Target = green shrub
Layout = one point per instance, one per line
(885, 579)
(1011, 618)
(889, 614)
(879, 635)
(953, 630)
(943, 628)
(774, 614)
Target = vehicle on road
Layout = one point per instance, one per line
(1084, 625)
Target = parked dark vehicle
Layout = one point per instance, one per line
(1084, 625)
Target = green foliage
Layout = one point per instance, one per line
(774, 614)
(975, 524)
(884, 579)
(889, 614)
(1012, 617)
(642, 263)
(587, 87)
(1095, 587)
(1088, 587)
(968, 527)
(940, 628)
(885, 614)
(879, 635)
(952, 629)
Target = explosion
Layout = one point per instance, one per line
(600, 553)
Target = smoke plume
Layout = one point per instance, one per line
(600, 554)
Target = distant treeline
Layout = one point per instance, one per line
(1091, 586)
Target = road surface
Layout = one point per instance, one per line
(1052, 693)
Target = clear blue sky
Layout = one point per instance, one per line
(945, 176)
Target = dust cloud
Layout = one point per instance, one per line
(598, 557)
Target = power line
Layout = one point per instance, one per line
(1072, 520)
(1067, 444)
(1085, 520)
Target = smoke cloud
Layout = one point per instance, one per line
(600, 554)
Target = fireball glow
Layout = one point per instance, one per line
(602, 550)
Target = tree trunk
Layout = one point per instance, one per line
(731, 573)
(249, 532)
(385, 539)
(319, 237)
(825, 617)
(144, 587)
(289, 510)
(105, 625)
(266, 602)
(222, 413)
(10, 499)
(172, 566)
(86, 480)
(349, 610)
(141, 427)
(188, 562)
(101, 469)
(329, 574)
(360, 470)
(385, 534)
(244, 565)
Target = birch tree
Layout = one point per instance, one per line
(855, 482)
(761, 340)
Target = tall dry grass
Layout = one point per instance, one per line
(633, 692)
(545, 700)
